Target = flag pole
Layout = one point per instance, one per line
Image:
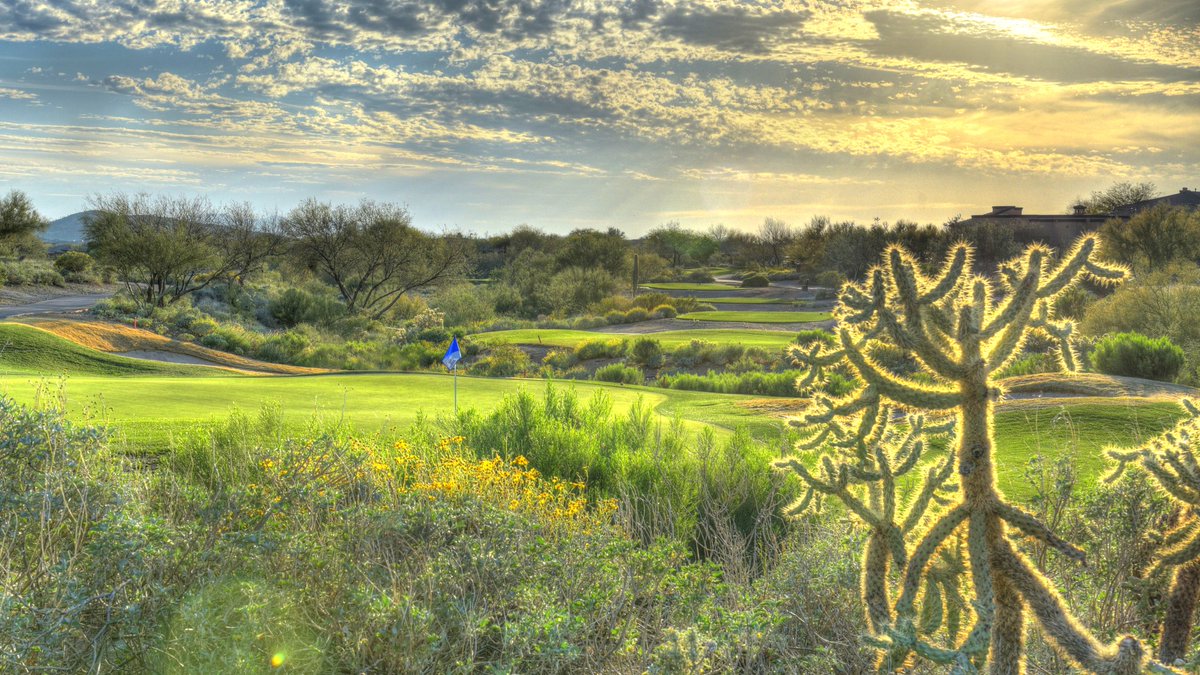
(456, 388)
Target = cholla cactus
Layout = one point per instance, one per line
(1171, 461)
(962, 331)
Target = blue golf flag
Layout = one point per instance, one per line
(453, 354)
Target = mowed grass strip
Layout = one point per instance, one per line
(28, 350)
(686, 286)
(749, 301)
(757, 317)
(565, 338)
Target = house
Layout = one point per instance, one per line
(1060, 230)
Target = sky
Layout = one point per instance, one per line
(480, 115)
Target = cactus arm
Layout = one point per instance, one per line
(1014, 315)
(1187, 550)
(1124, 658)
(896, 390)
(923, 553)
(934, 480)
(1033, 527)
(956, 262)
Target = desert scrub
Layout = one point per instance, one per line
(1136, 355)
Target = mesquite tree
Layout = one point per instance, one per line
(1172, 462)
(962, 329)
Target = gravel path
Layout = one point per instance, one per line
(55, 305)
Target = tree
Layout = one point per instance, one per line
(587, 248)
(165, 248)
(670, 241)
(1103, 202)
(1154, 237)
(371, 253)
(775, 236)
(963, 332)
(19, 223)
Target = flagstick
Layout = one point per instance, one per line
(456, 388)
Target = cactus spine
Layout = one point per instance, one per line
(1171, 462)
(962, 331)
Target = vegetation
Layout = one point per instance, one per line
(962, 336)
(1136, 355)
(758, 317)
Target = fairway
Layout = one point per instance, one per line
(750, 301)
(148, 410)
(758, 317)
(771, 339)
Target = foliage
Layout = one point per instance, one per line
(1154, 237)
(1108, 200)
(19, 224)
(296, 306)
(755, 383)
(371, 253)
(503, 361)
(74, 263)
(1135, 355)
(646, 352)
(30, 272)
(601, 349)
(963, 335)
(619, 373)
(166, 248)
(664, 312)
(756, 280)
(463, 304)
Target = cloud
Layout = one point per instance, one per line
(731, 28)
(17, 94)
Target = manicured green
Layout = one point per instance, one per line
(28, 350)
(668, 339)
(149, 409)
(690, 286)
(758, 317)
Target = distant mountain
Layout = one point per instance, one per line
(66, 230)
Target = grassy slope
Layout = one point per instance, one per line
(28, 350)
(757, 317)
(749, 301)
(670, 338)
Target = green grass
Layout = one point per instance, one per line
(757, 317)
(28, 350)
(686, 286)
(750, 301)
(148, 410)
(770, 339)
(1079, 429)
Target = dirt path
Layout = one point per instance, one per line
(12, 304)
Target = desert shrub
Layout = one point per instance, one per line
(689, 304)
(1073, 303)
(699, 276)
(619, 373)
(588, 322)
(31, 273)
(463, 304)
(665, 312)
(646, 352)
(503, 361)
(755, 280)
(754, 383)
(830, 279)
(575, 288)
(286, 347)
(296, 306)
(203, 326)
(1135, 355)
(806, 338)
(1030, 364)
(601, 349)
(560, 359)
(74, 265)
(614, 317)
(608, 304)
(699, 307)
(636, 314)
(651, 300)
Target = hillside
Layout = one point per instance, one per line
(66, 230)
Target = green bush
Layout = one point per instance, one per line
(646, 352)
(619, 373)
(74, 264)
(503, 361)
(699, 276)
(600, 349)
(753, 383)
(806, 338)
(636, 314)
(560, 360)
(31, 273)
(614, 317)
(831, 280)
(296, 306)
(1135, 355)
(665, 312)
(756, 280)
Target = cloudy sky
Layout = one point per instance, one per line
(482, 114)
